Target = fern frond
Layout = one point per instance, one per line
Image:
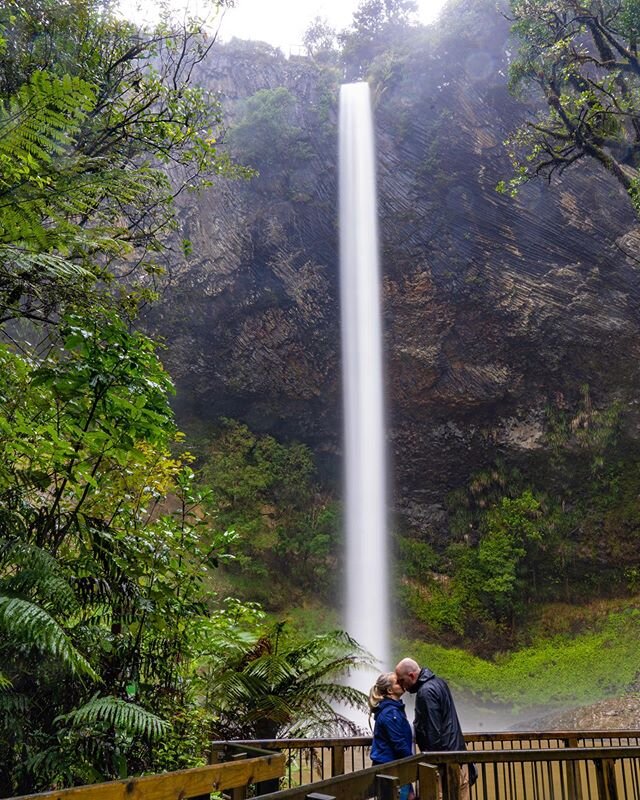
(55, 267)
(123, 716)
(29, 625)
(40, 122)
(37, 129)
(12, 703)
(272, 670)
(34, 574)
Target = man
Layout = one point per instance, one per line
(436, 722)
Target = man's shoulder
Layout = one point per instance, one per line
(425, 678)
(433, 686)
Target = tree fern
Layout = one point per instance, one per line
(279, 685)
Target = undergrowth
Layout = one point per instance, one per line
(556, 672)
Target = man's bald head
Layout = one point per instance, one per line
(407, 672)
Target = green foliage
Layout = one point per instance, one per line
(27, 626)
(39, 125)
(320, 41)
(505, 553)
(118, 713)
(273, 684)
(91, 112)
(100, 582)
(417, 558)
(378, 26)
(267, 135)
(267, 493)
(583, 62)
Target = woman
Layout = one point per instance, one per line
(392, 734)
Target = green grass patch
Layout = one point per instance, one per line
(555, 672)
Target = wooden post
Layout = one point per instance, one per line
(387, 787)
(337, 760)
(428, 779)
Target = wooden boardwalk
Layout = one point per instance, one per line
(565, 765)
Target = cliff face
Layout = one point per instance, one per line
(495, 309)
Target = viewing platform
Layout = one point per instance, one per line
(558, 765)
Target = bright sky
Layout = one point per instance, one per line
(283, 22)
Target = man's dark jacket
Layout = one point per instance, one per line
(436, 721)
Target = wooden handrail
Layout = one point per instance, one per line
(470, 738)
(184, 784)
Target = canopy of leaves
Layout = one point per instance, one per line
(101, 554)
(101, 591)
(94, 117)
(377, 26)
(582, 58)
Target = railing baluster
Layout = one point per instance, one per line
(483, 777)
(588, 779)
(523, 780)
(606, 776)
(337, 759)
(496, 784)
(450, 777)
(574, 783)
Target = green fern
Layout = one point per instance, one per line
(279, 686)
(12, 705)
(37, 129)
(29, 625)
(125, 717)
(40, 123)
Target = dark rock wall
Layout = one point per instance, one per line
(494, 308)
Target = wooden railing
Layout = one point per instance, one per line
(564, 765)
(311, 760)
(245, 766)
(583, 773)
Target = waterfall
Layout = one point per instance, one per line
(367, 591)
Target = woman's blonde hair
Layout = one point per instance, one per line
(380, 689)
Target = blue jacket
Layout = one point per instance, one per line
(392, 735)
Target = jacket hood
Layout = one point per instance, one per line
(425, 675)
